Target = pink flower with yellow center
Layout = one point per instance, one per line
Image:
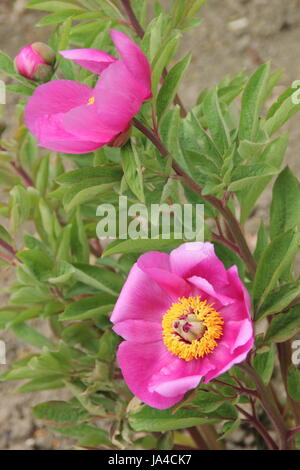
(184, 318)
(71, 117)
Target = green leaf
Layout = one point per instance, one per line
(244, 175)
(264, 364)
(74, 198)
(230, 427)
(215, 121)
(89, 436)
(42, 176)
(90, 307)
(30, 295)
(150, 419)
(43, 383)
(164, 57)
(207, 401)
(272, 155)
(133, 170)
(64, 38)
(284, 326)
(279, 299)
(252, 103)
(107, 346)
(206, 145)
(281, 112)
(23, 316)
(275, 259)
(38, 262)
(249, 150)
(262, 242)
(59, 17)
(285, 208)
(293, 383)
(140, 246)
(52, 5)
(59, 412)
(4, 235)
(6, 64)
(169, 88)
(98, 278)
(79, 240)
(19, 90)
(105, 174)
(32, 336)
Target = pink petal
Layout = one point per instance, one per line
(199, 259)
(236, 334)
(140, 331)
(236, 288)
(58, 96)
(27, 61)
(236, 312)
(156, 265)
(139, 362)
(176, 387)
(91, 59)
(85, 122)
(140, 299)
(134, 58)
(45, 113)
(50, 132)
(208, 292)
(178, 376)
(118, 96)
(224, 360)
(72, 146)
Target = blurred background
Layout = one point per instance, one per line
(234, 35)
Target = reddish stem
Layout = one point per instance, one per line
(26, 178)
(227, 243)
(233, 224)
(260, 428)
(241, 389)
(132, 17)
(7, 247)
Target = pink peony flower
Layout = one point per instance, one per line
(185, 318)
(35, 62)
(71, 117)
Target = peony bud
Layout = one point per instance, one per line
(35, 62)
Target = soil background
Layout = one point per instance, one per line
(234, 35)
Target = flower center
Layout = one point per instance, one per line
(91, 100)
(191, 328)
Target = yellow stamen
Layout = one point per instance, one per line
(198, 347)
(91, 100)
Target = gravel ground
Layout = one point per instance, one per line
(235, 34)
